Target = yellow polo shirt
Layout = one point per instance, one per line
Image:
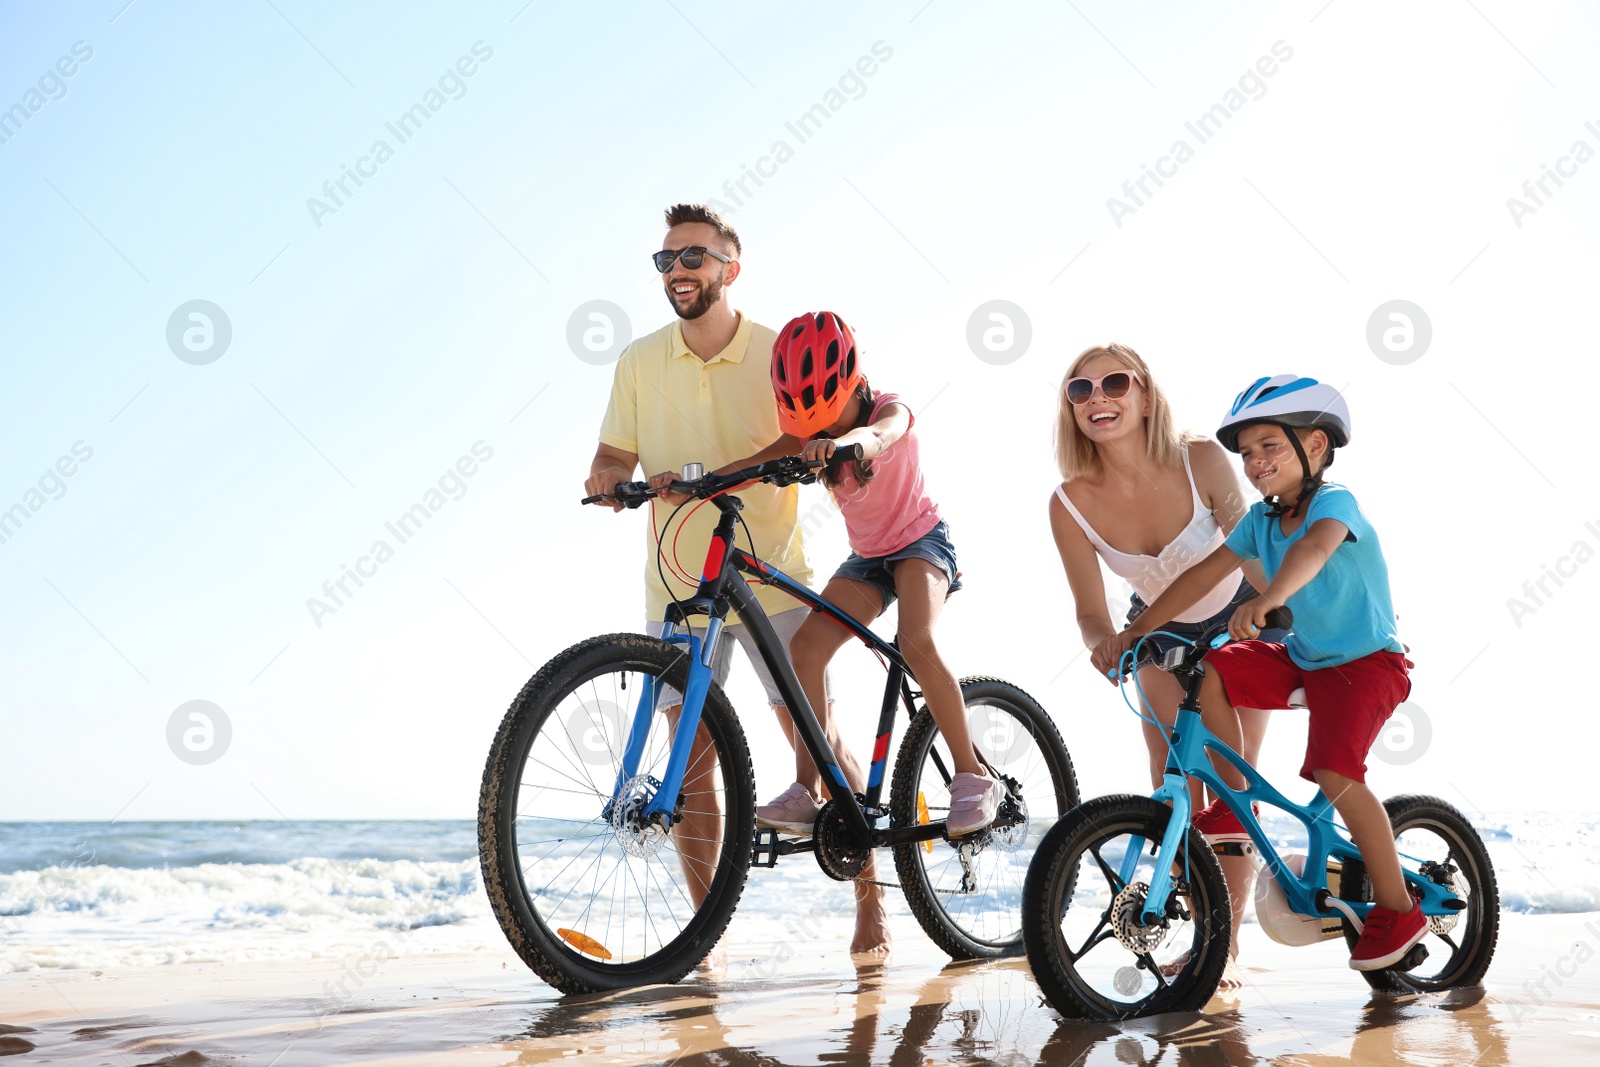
(670, 408)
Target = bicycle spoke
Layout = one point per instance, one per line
(556, 847)
(588, 791)
(1117, 884)
(1100, 934)
(597, 858)
(1155, 971)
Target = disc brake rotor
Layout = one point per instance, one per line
(1014, 813)
(1126, 908)
(638, 838)
(1449, 877)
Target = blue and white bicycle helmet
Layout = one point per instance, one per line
(1293, 403)
(1290, 401)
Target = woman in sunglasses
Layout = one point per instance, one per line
(1149, 501)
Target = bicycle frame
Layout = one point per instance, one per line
(1308, 893)
(722, 589)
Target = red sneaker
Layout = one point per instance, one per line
(1218, 824)
(1387, 936)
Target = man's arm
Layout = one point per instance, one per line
(609, 466)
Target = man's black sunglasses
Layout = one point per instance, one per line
(690, 257)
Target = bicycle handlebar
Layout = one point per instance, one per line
(785, 470)
(1180, 657)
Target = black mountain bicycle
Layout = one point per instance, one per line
(616, 822)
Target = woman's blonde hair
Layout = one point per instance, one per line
(1076, 454)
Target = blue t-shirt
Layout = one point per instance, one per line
(1344, 612)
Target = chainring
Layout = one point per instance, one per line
(840, 854)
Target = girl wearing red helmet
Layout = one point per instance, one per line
(900, 549)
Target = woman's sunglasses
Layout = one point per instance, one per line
(1113, 386)
(690, 257)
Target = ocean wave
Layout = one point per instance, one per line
(95, 914)
(221, 911)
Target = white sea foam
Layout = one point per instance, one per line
(78, 914)
(99, 915)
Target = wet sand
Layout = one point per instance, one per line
(805, 1005)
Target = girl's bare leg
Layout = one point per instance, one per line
(922, 587)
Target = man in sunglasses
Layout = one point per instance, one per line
(699, 390)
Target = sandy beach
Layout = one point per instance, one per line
(1540, 1005)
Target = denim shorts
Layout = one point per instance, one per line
(1157, 644)
(878, 571)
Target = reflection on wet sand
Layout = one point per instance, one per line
(992, 1013)
(1297, 1007)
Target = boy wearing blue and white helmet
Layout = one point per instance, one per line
(1322, 558)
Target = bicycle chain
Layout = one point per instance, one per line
(874, 881)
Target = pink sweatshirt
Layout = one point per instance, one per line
(893, 509)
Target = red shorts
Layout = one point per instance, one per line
(1348, 704)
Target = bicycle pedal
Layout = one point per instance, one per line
(1413, 959)
(764, 853)
(1233, 848)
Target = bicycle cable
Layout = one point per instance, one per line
(676, 565)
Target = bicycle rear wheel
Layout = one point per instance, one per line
(1082, 911)
(970, 904)
(590, 901)
(1433, 836)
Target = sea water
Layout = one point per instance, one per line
(141, 894)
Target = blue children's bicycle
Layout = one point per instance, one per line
(616, 823)
(1126, 913)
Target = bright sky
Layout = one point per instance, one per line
(422, 317)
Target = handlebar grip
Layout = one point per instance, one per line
(844, 455)
(1280, 618)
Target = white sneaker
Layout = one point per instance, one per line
(794, 810)
(974, 800)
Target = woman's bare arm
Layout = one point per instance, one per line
(1082, 564)
(1220, 489)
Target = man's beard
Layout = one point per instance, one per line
(710, 293)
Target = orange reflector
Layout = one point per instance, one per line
(584, 943)
(922, 818)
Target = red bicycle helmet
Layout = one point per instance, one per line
(814, 372)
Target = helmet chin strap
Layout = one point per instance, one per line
(1308, 486)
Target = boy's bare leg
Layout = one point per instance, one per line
(1373, 834)
(1222, 719)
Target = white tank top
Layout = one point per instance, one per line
(1150, 575)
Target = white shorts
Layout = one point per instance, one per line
(785, 623)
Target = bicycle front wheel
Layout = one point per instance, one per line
(1083, 910)
(587, 895)
(967, 893)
